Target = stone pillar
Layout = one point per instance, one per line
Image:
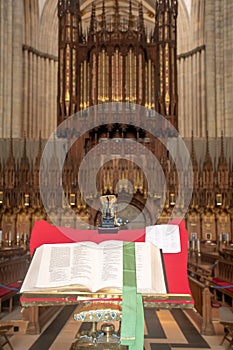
(7, 56)
(2, 6)
(198, 92)
(219, 53)
(228, 63)
(17, 68)
(210, 67)
(181, 88)
(203, 117)
(25, 91)
(30, 94)
(194, 93)
(34, 96)
(185, 96)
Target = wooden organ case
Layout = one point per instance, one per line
(117, 58)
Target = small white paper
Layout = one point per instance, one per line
(166, 237)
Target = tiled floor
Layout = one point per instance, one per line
(170, 334)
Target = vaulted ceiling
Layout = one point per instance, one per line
(146, 3)
(48, 18)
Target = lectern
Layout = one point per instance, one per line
(96, 307)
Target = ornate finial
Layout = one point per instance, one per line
(222, 146)
(207, 161)
(160, 5)
(61, 8)
(103, 23)
(24, 163)
(72, 6)
(40, 144)
(11, 146)
(93, 19)
(174, 6)
(141, 26)
(116, 16)
(131, 18)
(222, 158)
(39, 155)
(207, 143)
(24, 146)
(165, 5)
(193, 154)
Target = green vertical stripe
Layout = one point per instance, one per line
(132, 328)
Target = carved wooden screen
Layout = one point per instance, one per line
(118, 58)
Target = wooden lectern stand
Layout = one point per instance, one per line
(179, 295)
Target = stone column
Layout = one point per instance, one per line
(180, 90)
(198, 91)
(228, 64)
(2, 7)
(17, 67)
(194, 94)
(219, 39)
(7, 68)
(189, 116)
(185, 97)
(210, 67)
(30, 94)
(34, 96)
(25, 91)
(203, 116)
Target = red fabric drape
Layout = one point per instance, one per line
(175, 264)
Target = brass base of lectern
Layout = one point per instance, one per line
(106, 339)
(91, 346)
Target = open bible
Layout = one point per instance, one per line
(87, 266)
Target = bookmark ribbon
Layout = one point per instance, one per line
(132, 327)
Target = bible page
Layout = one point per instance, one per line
(111, 265)
(150, 272)
(30, 279)
(67, 264)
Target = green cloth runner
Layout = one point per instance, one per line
(132, 326)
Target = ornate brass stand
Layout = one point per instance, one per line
(105, 338)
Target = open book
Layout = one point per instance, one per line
(92, 267)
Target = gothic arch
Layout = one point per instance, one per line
(183, 28)
(31, 23)
(49, 24)
(197, 17)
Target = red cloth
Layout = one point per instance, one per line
(44, 233)
(175, 264)
(9, 288)
(222, 283)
